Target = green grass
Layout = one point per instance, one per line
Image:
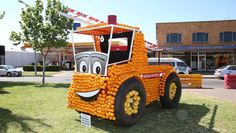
(31, 107)
(47, 73)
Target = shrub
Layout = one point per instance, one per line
(40, 68)
(52, 68)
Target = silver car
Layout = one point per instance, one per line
(8, 70)
(228, 69)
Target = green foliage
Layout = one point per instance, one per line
(43, 32)
(40, 68)
(53, 68)
(2, 15)
(43, 28)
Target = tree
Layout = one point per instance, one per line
(43, 32)
(2, 15)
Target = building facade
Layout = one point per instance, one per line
(203, 45)
(64, 56)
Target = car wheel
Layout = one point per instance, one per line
(9, 74)
(129, 102)
(173, 90)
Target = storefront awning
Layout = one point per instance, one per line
(208, 47)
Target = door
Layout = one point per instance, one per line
(231, 70)
(201, 61)
(194, 61)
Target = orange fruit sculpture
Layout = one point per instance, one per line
(121, 92)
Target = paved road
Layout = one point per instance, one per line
(63, 77)
(215, 87)
(211, 87)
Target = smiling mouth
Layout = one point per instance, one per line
(88, 94)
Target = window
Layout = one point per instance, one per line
(173, 38)
(181, 64)
(227, 36)
(120, 47)
(1, 67)
(200, 37)
(232, 68)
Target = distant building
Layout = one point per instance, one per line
(17, 57)
(2, 55)
(203, 45)
(64, 56)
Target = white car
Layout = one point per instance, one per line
(8, 70)
(179, 66)
(228, 69)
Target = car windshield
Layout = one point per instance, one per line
(9, 67)
(223, 67)
(181, 64)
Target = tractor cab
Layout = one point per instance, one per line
(112, 45)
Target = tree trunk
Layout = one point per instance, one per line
(44, 65)
(35, 63)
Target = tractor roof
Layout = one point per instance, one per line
(104, 28)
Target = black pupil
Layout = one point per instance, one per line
(84, 68)
(98, 69)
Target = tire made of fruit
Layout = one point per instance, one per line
(173, 90)
(129, 102)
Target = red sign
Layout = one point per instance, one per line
(151, 75)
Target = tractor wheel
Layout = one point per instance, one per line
(129, 102)
(172, 93)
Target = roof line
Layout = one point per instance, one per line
(226, 20)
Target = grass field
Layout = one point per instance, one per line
(47, 73)
(29, 107)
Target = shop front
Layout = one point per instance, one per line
(203, 58)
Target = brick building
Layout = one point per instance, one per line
(203, 45)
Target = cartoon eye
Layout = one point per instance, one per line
(97, 68)
(83, 67)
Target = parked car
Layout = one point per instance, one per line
(179, 65)
(228, 69)
(8, 70)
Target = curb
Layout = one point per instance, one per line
(210, 77)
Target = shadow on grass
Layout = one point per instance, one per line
(7, 117)
(2, 91)
(184, 118)
(53, 85)
(203, 88)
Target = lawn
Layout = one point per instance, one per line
(47, 73)
(31, 107)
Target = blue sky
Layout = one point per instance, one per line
(144, 14)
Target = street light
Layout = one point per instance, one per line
(35, 56)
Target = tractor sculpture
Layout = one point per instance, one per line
(116, 81)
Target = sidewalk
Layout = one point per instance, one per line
(206, 74)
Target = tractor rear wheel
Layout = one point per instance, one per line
(172, 92)
(129, 102)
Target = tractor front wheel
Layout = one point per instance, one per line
(129, 102)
